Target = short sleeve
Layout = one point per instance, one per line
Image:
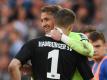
(84, 68)
(25, 53)
(83, 37)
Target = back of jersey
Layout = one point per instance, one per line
(53, 60)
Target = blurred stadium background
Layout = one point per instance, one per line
(20, 21)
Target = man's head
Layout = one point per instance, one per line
(48, 17)
(64, 18)
(98, 41)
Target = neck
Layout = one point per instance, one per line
(47, 34)
(65, 30)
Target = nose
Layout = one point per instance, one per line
(44, 23)
(95, 50)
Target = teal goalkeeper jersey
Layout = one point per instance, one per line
(79, 42)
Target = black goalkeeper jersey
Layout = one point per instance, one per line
(51, 60)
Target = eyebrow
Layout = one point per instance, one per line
(97, 45)
(45, 18)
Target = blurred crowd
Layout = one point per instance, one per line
(20, 22)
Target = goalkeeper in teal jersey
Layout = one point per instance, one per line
(77, 41)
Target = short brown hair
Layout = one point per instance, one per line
(65, 17)
(51, 9)
(94, 36)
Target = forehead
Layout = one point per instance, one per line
(98, 42)
(46, 15)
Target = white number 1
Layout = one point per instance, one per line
(54, 54)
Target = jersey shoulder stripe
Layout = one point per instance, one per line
(78, 36)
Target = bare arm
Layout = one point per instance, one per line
(14, 69)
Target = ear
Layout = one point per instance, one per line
(105, 46)
(69, 28)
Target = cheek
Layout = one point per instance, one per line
(51, 24)
(100, 49)
(97, 50)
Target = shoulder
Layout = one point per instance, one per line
(104, 63)
(30, 43)
(103, 68)
(34, 40)
(80, 36)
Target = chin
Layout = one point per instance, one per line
(48, 30)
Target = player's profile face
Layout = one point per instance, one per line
(99, 46)
(47, 21)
